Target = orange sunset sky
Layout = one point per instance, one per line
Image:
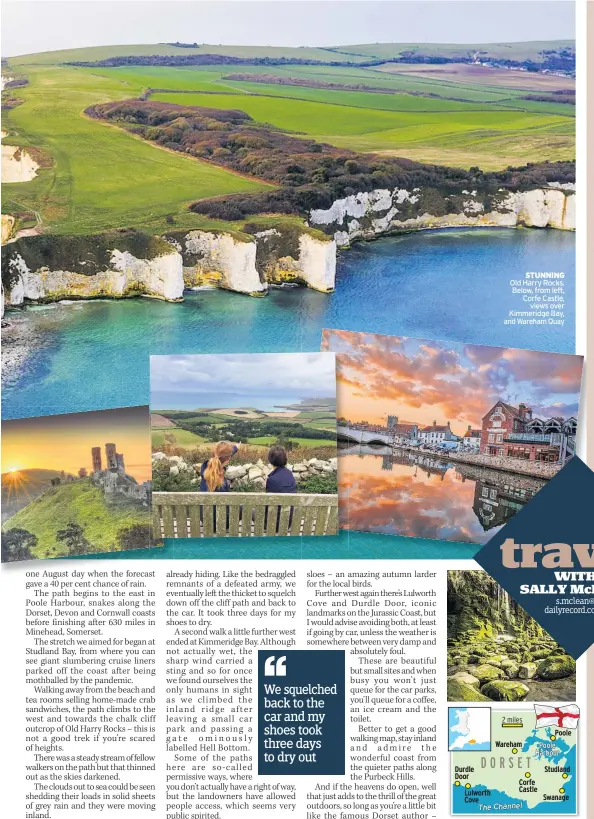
(422, 381)
(65, 441)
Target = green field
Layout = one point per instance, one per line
(183, 437)
(103, 177)
(306, 443)
(80, 503)
(353, 99)
(488, 138)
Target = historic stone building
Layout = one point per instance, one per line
(96, 458)
(111, 456)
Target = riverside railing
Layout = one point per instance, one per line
(242, 514)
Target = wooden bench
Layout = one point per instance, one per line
(242, 514)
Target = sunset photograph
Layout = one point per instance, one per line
(76, 484)
(447, 440)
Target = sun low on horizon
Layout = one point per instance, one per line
(423, 381)
(64, 442)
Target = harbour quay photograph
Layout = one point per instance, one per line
(445, 440)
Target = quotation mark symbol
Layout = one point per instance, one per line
(274, 667)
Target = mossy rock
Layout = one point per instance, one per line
(527, 670)
(496, 659)
(511, 669)
(505, 690)
(459, 691)
(541, 653)
(465, 677)
(556, 668)
(459, 669)
(486, 673)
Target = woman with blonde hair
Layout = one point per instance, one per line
(212, 471)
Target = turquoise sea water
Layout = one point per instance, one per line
(447, 284)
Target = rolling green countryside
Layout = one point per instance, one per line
(101, 176)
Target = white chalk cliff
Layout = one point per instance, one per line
(195, 259)
(317, 262)
(223, 260)
(126, 275)
(17, 164)
(370, 214)
(220, 259)
(283, 255)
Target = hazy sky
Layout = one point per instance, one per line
(65, 441)
(422, 381)
(252, 380)
(47, 25)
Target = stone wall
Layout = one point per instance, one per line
(253, 473)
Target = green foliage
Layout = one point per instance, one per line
(164, 481)
(73, 538)
(247, 486)
(18, 544)
(138, 536)
(81, 505)
(324, 484)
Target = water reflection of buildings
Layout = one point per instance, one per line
(497, 496)
(495, 503)
(426, 463)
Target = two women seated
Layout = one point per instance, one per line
(212, 472)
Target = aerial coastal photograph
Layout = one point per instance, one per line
(228, 177)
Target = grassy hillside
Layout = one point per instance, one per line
(103, 177)
(488, 51)
(348, 53)
(83, 504)
(163, 49)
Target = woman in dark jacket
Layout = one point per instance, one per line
(281, 480)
